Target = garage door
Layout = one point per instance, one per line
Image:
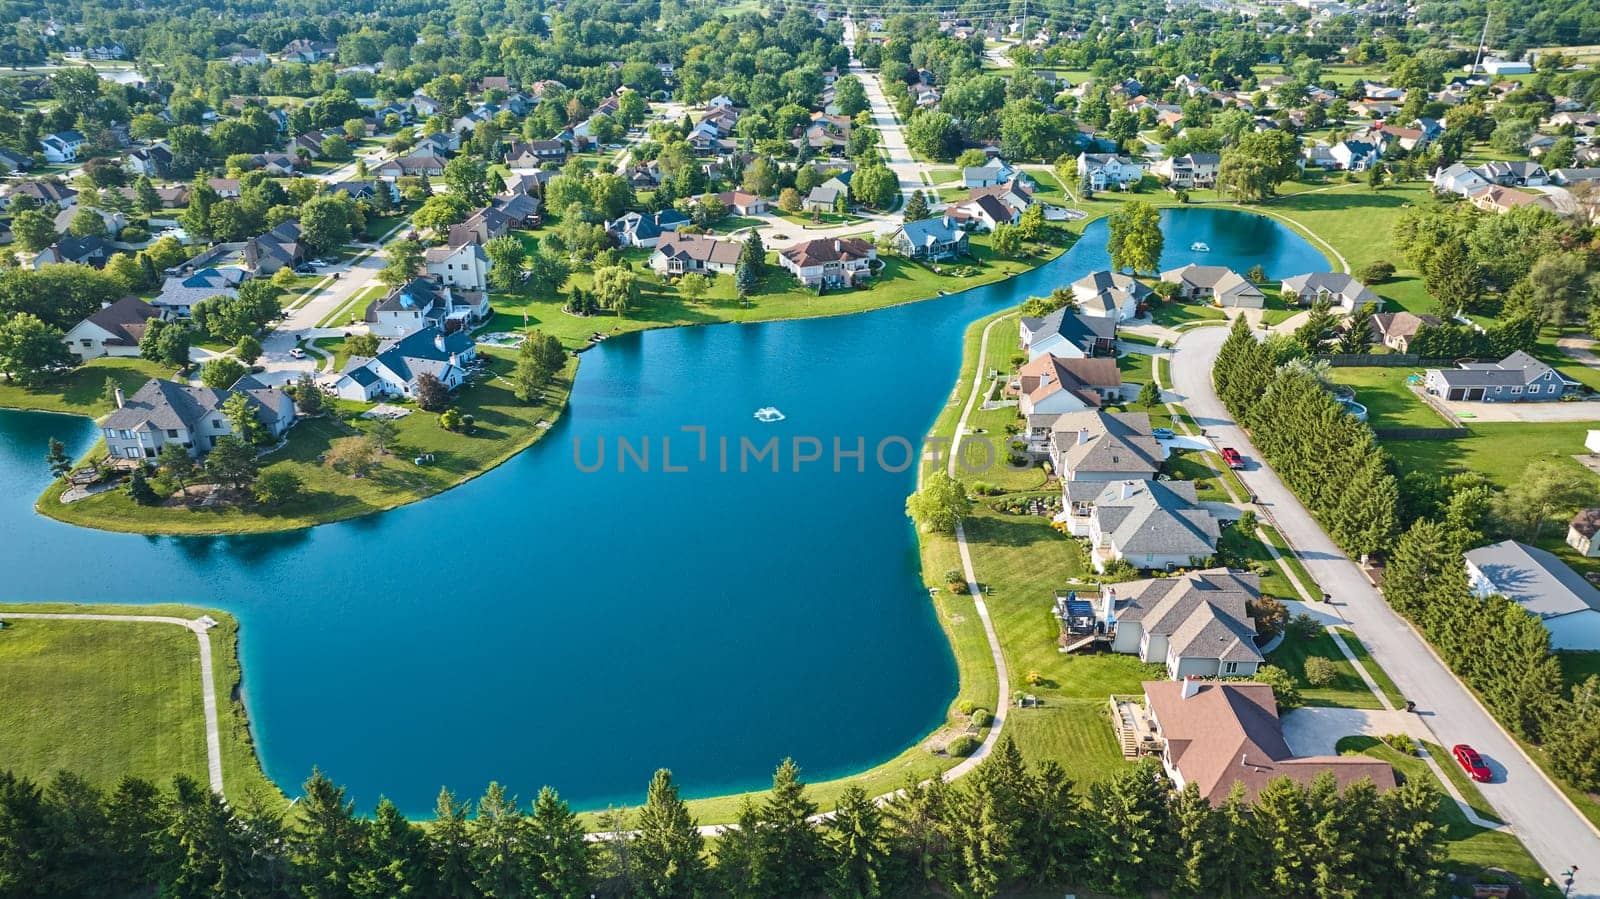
(1474, 393)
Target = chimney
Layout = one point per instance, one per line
(1191, 687)
(438, 341)
(837, 247)
(455, 360)
(1127, 489)
(120, 398)
(1083, 436)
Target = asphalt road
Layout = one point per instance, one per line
(1556, 834)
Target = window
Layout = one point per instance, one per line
(111, 432)
(125, 434)
(131, 452)
(1517, 389)
(1230, 668)
(86, 343)
(218, 423)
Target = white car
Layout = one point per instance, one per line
(297, 353)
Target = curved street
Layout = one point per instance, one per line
(1554, 831)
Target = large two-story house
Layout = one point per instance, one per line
(930, 239)
(163, 412)
(1067, 333)
(424, 303)
(1196, 624)
(398, 365)
(830, 262)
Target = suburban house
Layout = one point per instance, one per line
(399, 363)
(1110, 295)
(12, 161)
(823, 198)
(529, 155)
(1095, 446)
(276, 249)
(1582, 530)
(92, 251)
(1067, 333)
(643, 230)
(1544, 586)
(153, 161)
(678, 254)
(424, 303)
(1517, 378)
(741, 203)
(1395, 329)
(830, 262)
(113, 330)
(179, 293)
(112, 219)
(410, 166)
(1216, 284)
(1189, 171)
(48, 193)
(481, 226)
(983, 213)
(1014, 193)
(1097, 171)
(1356, 155)
(62, 146)
(1514, 173)
(1500, 200)
(994, 172)
(930, 239)
(466, 266)
(1197, 623)
(1151, 525)
(1338, 288)
(1221, 735)
(1051, 385)
(163, 412)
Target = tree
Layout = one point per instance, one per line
(547, 273)
(916, 208)
(752, 265)
(86, 222)
(325, 223)
(1136, 240)
(1270, 616)
(1150, 395)
(1283, 686)
(440, 211)
(328, 840)
(934, 134)
(232, 461)
(140, 491)
(693, 286)
(241, 411)
(789, 200)
(859, 844)
(395, 856)
(248, 349)
(790, 857)
(1557, 287)
(34, 229)
(1356, 336)
(449, 847)
(1252, 168)
(849, 96)
(499, 845)
(307, 396)
(30, 349)
(222, 372)
(1320, 671)
(559, 853)
(405, 259)
(431, 394)
(467, 178)
(353, 456)
(1545, 490)
(177, 465)
(668, 850)
(1452, 278)
(382, 433)
(506, 258)
(1128, 817)
(1031, 223)
(616, 289)
(940, 505)
(362, 345)
(875, 185)
(1006, 241)
(57, 459)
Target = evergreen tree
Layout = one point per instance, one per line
(137, 824)
(790, 857)
(23, 841)
(859, 846)
(1574, 738)
(1149, 395)
(1132, 833)
(916, 207)
(57, 459)
(1285, 824)
(1412, 843)
(982, 834)
(394, 859)
(668, 849)
(560, 856)
(752, 265)
(738, 854)
(78, 847)
(450, 848)
(329, 841)
(212, 851)
(140, 491)
(499, 834)
(1051, 838)
(916, 815)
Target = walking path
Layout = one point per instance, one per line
(1553, 830)
(1579, 349)
(200, 627)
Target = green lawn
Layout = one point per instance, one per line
(1247, 551)
(1500, 451)
(504, 428)
(1469, 848)
(1390, 403)
(1177, 313)
(1547, 352)
(1374, 670)
(81, 391)
(1347, 690)
(354, 307)
(108, 699)
(1136, 371)
(1290, 560)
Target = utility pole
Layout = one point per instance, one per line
(1477, 56)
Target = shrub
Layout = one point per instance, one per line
(1270, 615)
(1376, 273)
(140, 491)
(135, 234)
(1247, 521)
(1321, 672)
(1304, 627)
(1283, 688)
(450, 420)
(981, 718)
(965, 707)
(1400, 743)
(962, 746)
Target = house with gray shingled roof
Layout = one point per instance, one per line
(1196, 624)
(163, 412)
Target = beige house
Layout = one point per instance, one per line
(112, 331)
(836, 262)
(1215, 284)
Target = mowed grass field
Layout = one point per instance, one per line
(107, 699)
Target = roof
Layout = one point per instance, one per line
(823, 194)
(1049, 374)
(1229, 733)
(1402, 324)
(1080, 330)
(1515, 370)
(1534, 579)
(991, 206)
(168, 405)
(824, 250)
(124, 320)
(1109, 289)
(1120, 443)
(698, 247)
(925, 232)
(1338, 284)
(1156, 517)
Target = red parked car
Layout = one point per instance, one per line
(1232, 457)
(1471, 762)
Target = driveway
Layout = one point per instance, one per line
(1554, 832)
(1582, 410)
(1316, 731)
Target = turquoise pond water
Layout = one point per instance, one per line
(544, 625)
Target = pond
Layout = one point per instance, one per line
(544, 624)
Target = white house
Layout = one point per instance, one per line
(163, 412)
(1051, 385)
(1068, 334)
(1110, 295)
(1339, 289)
(1190, 170)
(830, 262)
(114, 330)
(1152, 525)
(62, 146)
(1544, 586)
(465, 267)
(424, 303)
(1097, 171)
(394, 371)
